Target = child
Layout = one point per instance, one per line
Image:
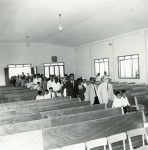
(119, 101)
(51, 94)
(46, 94)
(126, 102)
(38, 87)
(39, 96)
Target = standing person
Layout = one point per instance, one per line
(57, 87)
(98, 77)
(71, 87)
(91, 92)
(84, 82)
(81, 89)
(63, 90)
(44, 83)
(50, 82)
(105, 92)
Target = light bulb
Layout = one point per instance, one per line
(60, 28)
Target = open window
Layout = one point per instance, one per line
(57, 69)
(128, 66)
(101, 65)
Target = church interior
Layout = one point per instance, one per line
(73, 74)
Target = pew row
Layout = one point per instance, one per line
(84, 131)
(60, 112)
(11, 104)
(5, 108)
(54, 121)
(56, 137)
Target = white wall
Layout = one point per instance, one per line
(131, 43)
(36, 54)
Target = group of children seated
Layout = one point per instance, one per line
(46, 94)
(120, 99)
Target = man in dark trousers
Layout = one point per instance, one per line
(71, 87)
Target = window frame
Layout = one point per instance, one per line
(49, 64)
(99, 65)
(119, 66)
(15, 66)
(23, 65)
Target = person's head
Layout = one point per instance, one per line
(51, 77)
(40, 93)
(105, 79)
(51, 89)
(105, 73)
(23, 74)
(38, 76)
(79, 80)
(83, 80)
(92, 80)
(123, 93)
(46, 92)
(66, 76)
(38, 83)
(56, 79)
(98, 74)
(71, 77)
(118, 94)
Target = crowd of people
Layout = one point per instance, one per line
(68, 86)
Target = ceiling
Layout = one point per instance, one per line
(83, 20)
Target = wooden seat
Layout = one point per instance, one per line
(96, 143)
(117, 138)
(80, 146)
(137, 132)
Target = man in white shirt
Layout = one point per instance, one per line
(91, 92)
(50, 82)
(105, 92)
(56, 85)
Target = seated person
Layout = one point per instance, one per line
(39, 96)
(46, 94)
(119, 100)
(51, 94)
(38, 87)
(123, 93)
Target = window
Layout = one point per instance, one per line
(101, 65)
(129, 66)
(54, 69)
(17, 69)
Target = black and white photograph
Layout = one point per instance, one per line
(73, 74)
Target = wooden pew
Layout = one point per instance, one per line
(74, 110)
(23, 118)
(81, 117)
(50, 114)
(5, 108)
(84, 131)
(37, 109)
(33, 101)
(50, 122)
